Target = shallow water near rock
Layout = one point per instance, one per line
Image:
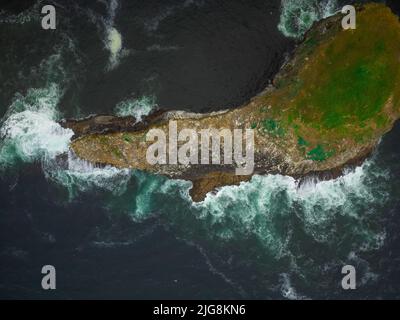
(120, 234)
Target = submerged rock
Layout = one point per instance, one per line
(327, 108)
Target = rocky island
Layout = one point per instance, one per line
(327, 108)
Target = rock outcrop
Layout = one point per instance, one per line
(327, 108)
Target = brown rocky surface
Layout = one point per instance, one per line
(328, 107)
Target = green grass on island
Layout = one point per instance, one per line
(346, 87)
(330, 103)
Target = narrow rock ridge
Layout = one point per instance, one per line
(327, 109)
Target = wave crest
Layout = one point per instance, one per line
(297, 16)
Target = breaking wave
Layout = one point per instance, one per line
(271, 212)
(30, 131)
(113, 39)
(257, 208)
(287, 289)
(136, 107)
(297, 16)
(79, 176)
(271, 221)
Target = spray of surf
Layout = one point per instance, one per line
(138, 108)
(31, 133)
(113, 38)
(264, 219)
(297, 16)
(29, 130)
(270, 216)
(262, 209)
(79, 176)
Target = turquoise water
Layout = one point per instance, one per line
(297, 16)
(286, 230)
(270, 237)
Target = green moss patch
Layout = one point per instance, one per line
(127, 138)
(272, 127)
(319, 154)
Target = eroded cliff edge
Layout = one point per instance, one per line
(327, 107)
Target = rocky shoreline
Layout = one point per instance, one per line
(293, 135)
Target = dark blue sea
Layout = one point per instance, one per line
(114, 233)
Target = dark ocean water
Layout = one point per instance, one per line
(118, 234)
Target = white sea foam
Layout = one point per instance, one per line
(138, 108)
(81, 176)
(297, 16)
(34, 134)
(257, 207)
(114, 45)
(113, 38)
(29, 129)
(288, 291)
(30, 132)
